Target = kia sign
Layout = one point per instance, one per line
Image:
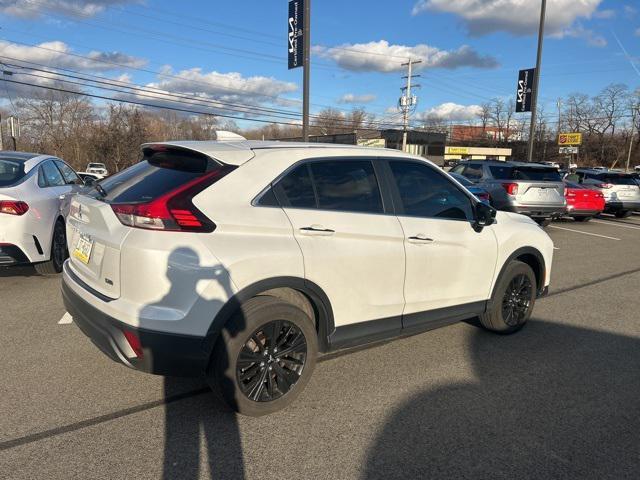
(525, 89)
(295, 42)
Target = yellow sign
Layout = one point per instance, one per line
(570, 139)
(372, 142)
(456, 150)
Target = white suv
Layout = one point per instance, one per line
(240, 261)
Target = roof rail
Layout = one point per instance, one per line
(226, 136)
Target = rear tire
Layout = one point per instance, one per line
(513, 299)
(582, 219)
(249, 369)
(58, 252)
(543, 222)
(623, 213)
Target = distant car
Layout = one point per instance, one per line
(98, 168)
(583, 203)
(480, 193)
(89, 178)
(531, 189)
(33, 200)
(551, 164)
(621, 191)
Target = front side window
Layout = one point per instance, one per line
(427, 193)
(68, 173)
(346, 185)
(51, 176)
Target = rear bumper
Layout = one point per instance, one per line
(577, 212)
(618, 206)
(11, 255)
(538, 210)
(163, 353)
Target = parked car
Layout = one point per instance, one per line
(97, 168)
(239, 261)
(528, 188)
(621, 191)
(33, 199)
(480, 193)
(89, 178)
(583, 203)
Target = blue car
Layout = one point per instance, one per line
(480, 193)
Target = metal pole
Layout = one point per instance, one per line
(536, 82)
(635, 112)
(306, 70)
(405, 117)
(1, 144)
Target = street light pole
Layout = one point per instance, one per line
(635, 111)
(536, 82)
(306, 69)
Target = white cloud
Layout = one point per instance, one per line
(380, 56)
(451, 111)
(72, 8)
(592, 38)
(630, 11)
(352, 98)
(58, 54)
(519, 17)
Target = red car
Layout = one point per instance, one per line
(582, 202)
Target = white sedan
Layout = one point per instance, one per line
(33, 191)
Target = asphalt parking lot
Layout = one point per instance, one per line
(561, 399)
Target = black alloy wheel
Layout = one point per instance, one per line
(517, 300)
(271, 361)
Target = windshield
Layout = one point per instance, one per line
(11, 171)
(539, 174)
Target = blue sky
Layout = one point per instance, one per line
(235, 51)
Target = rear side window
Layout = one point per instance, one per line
(50, 176)
(296, 189)
(500, 172)
(11, 171)
(473, 171)
(427, 193)
(159, 172)
(347, 185)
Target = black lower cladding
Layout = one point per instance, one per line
(163, 353)
(12, 255)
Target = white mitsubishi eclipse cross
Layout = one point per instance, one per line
(241, 261)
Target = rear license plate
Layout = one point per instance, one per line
(83, 248)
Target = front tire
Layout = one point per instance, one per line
(512, 301)
(59, 252)
(264, 357)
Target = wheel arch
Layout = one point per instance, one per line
(292, 289)
(532, 257)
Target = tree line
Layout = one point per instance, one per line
(80, 131)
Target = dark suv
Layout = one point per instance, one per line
(532, 189)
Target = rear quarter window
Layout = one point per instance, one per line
(501, 172)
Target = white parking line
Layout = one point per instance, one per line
(66, 319)
(612, 222)
(584, 233)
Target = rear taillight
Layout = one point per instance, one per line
(173, 211)
(511, 188)
(599, 195)
(12, 207)
(605, 185)
(134, 343)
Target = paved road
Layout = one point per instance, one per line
(558, 400)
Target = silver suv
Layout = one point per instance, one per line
(621, 190)
(532, 189)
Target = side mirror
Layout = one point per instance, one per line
(88, 182)
(485, 215)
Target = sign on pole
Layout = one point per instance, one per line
(568, 150)
(296, 34)
(574, 138)
(524, 93)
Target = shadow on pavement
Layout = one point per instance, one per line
(552, 401)
(18, 271)
(201, 426)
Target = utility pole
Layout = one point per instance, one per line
(407, 101)
(635, 110)
(536, 83)
(306, 69)
(1, 144)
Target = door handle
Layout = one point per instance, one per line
(420, 238)
(317, 230)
